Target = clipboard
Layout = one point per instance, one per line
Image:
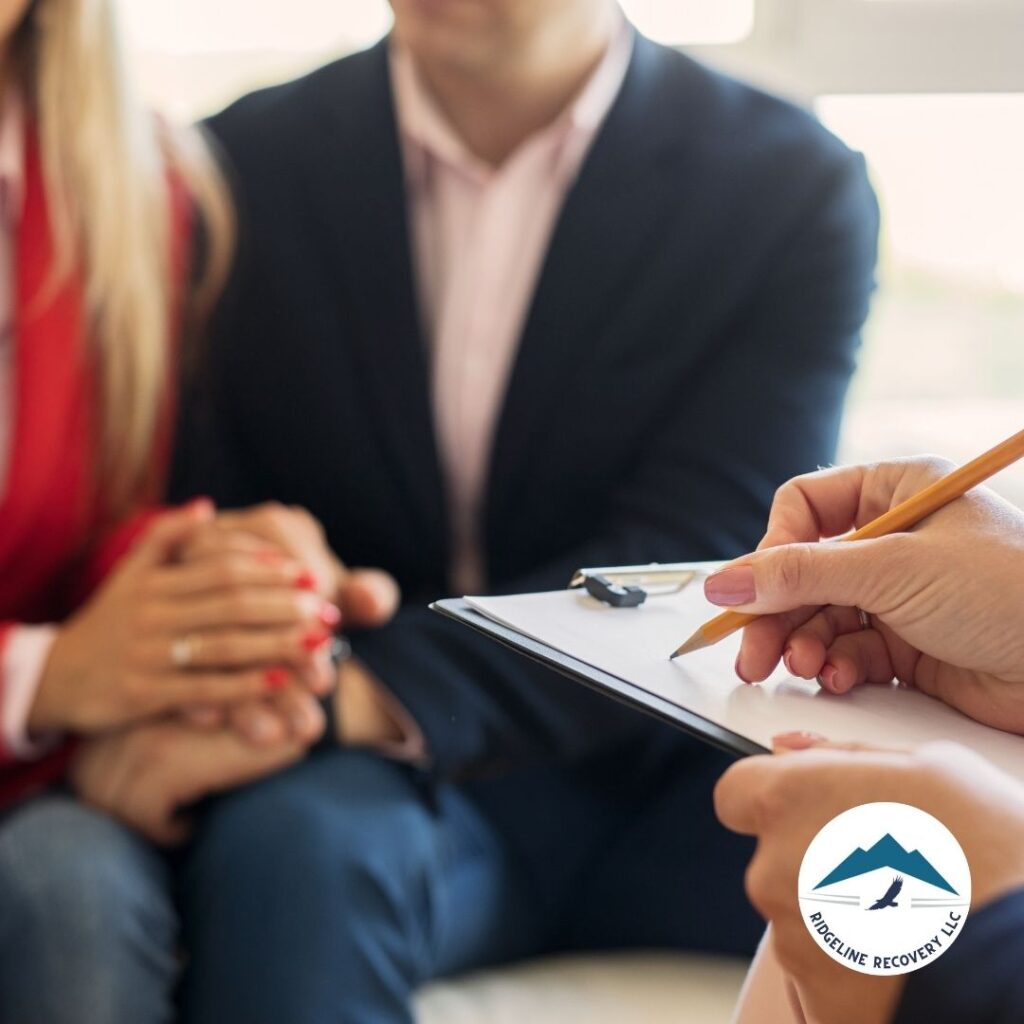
(608, 685)
(623, 653)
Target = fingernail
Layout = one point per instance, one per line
(329, 614)
(314, 638)
(275, 678)
(828, 677)
(269, 557)
(787, 660)
(305, 580)
(731, 586)
(797, 740)
(202, 505)
(739, 671)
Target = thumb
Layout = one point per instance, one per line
(793, 576)
(168, 531)
(369, 598)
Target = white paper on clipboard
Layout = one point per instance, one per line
(634, 644)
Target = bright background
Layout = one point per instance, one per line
(932, 91)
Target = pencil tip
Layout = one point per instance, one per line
(695, 643)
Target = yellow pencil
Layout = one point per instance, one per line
(905, 515)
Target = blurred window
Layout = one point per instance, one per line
(943, 363)
(681, 22)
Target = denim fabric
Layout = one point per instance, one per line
(87, 925)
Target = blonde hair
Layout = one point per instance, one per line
(105, 163)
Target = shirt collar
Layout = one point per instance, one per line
(12, 158)
(428, 135)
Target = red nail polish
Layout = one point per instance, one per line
(787, 660)
(305, 580)
(275, 678)
(329, 615)
(314, 639)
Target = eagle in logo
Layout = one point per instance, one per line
(889, 899)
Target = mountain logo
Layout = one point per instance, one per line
(884, 888)
(886, 853)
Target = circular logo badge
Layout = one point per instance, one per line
(884, 888)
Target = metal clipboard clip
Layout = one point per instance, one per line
(629, 586)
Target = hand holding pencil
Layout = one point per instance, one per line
(945, 602)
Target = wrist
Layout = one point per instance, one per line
(48, 711)
(361, 717)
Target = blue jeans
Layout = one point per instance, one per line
(87, 925)
(330, 892)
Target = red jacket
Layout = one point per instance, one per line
(52, 550)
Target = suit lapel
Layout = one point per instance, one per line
(367, 189)
(609, 220)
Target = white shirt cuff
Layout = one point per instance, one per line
(23, 659)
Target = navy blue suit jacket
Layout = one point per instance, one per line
(979, 981)
(688, 348)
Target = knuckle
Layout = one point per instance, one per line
(767, 887)
(277, 513)
(791, 569)
(304, 520)
(755, 883)
(730, 793)
(932, 467)
(769, 803)
(721, 795)
(231, 572)
(271, 515)
(783, 491)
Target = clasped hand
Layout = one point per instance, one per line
(197, 666)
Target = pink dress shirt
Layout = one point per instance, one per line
(480, 234)
(23, 656)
